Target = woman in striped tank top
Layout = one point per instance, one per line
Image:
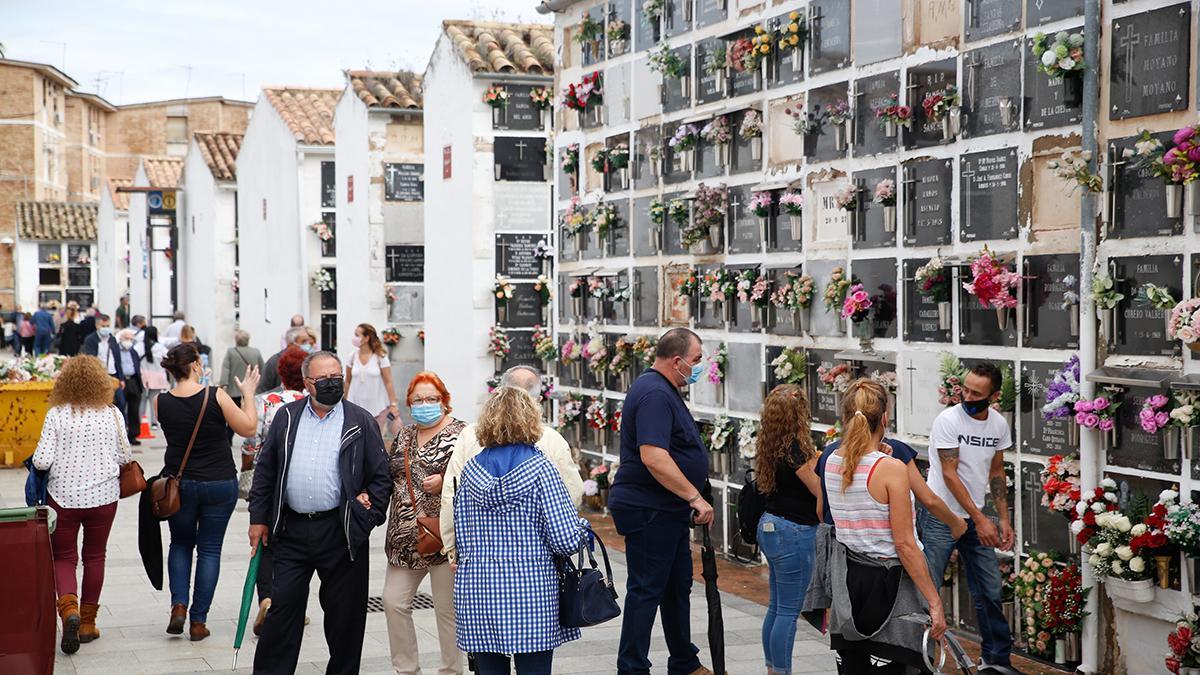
(871, 503)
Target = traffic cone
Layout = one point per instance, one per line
(145, 434)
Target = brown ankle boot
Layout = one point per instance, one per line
(87, 623)
(68, 611)
(178, 617)
(197, 631)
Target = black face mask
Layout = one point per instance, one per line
(329, 390)
(972, 408)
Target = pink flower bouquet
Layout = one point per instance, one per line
(993, 283)
(1097, 413)
(857, 304)
(1154, 415)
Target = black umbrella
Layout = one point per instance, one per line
(716, 622)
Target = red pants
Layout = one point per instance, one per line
(97, 523)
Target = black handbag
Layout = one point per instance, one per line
(586, 596)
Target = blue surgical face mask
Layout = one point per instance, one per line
(973, 408)
(307, 347)
(104, 331)
(694, 376)
(427, 414)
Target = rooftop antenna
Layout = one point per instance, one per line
(187, 87)
(63, 65)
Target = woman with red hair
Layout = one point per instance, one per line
(418, 459)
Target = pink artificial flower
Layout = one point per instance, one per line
(1080, 418)
(1106, 424)
(1091, 420)
(1158, 401)
(1146, 415)
(1161, 419)
(1169, 157)
(1184, 134)
(1100, 403)
(1148, 426)
(1084, 406)
(1193, 153)
(860, 297)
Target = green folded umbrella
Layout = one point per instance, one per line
(247, 601)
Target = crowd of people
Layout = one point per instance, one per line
(484, 509)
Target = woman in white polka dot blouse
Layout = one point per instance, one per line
(83, 444)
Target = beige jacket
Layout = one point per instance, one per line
(552, 444)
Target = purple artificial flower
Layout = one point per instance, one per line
(1184, 134)
(1194, 153)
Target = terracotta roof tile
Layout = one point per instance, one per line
(308, 113)
(386, 89)
(163, 172)
(503, 47)
(220, 153)
(120, 199)
(57, 221)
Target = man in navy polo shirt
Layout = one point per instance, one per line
(655, 493)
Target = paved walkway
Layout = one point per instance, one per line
(133, 616)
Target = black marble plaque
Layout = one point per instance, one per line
(1040, 436)
(876, 31)
(707, 158)
(824, 403)
(521, 352)
(829, 22)
(645, 296)
(1137, 449)
(921, 322)
(641, 228)
(744, 318)
(672, 245)
(524, 310)
(923, 79)
(1140, 329)
(709, 86)
(992, 89)
(780, 234)
(711, 12)
(408, 263)
(1041, 528)
(781, 322)
(771, 353)
(645, 30)
(742, 150)
(641, 163)
(785, 70)
(870, 228)
(711, 314)
(620, 308)
(985, 18)
(676, 98)
(1139, 199)
(878, 278)
(514, 255)
(590, 248)
(926, 217)
(869, 93)
(1045, 103)
(988, 195)
(672, 171)
(404, 182)
(520, 113)
(677, 17)
(821, 143)
(979, 325)
(742, 82)
(520, 158)
(745, 234)
(1053, 323)
(618, 238)
(1039, 12)
(1150, 61)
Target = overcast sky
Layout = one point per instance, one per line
(145, 50)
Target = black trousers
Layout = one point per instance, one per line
(133, 403)
(301, 547)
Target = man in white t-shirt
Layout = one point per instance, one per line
(966, 448)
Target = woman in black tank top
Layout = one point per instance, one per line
(207, 479)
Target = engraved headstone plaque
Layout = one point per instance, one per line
(1150, 61)
(521, 352)
(829, 23)
(677, 17)
(403, 182)
(876, 31)
(405, 263)
(672, 243)
(925, 79)
(642, 229)
(745, 234)
(1136, 448)
(742, 149)
(520, 158)
(1041, 528)
(1052, 298)
(645, 291)
(568, 249)
(707, 160)
(869, 94)
(878, 278)
(1139, 205)
(1040, 436)
(922, 322)
(520, 113)
(524, 310)
(874, 229)
(520, 206)
(677, 99)
(618, 238)
(409, 305)
(926, 217)
(822, 143)
(673, 164)
(515, 255)
(710, 86)
(1039, 12)
(1140, 328)
(712, 314)
(645, 173)
(593, 51)
(985, 18)
(988, 203)
(979, 325)
(822, 322)
(786, 70)
(645, 30)
(711, 12)
(591, 247)
(825, 403)
(745, 318)
(1046, 105)
(992, 89)
(620, 308)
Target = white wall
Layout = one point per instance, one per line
(206, 255)
(359, 292)
(308, 181)
(25, 262)
(139, 280)
(112, 245)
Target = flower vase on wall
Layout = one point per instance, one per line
(1170, 441)
(797, 59)
(756, 145)
(1072, 432)
(685, 86)
(1002, 317)
(497, 116)
(623, 177)
(1162, 565)
(944, 315)
(800, 320)
(719, 394)
(577, 307)
(1192, 190)
(890, 128)
(714, 236)
(864, 331)
(1174, 196)
(889, 219)
(723, 155)
(797, 225)
(502, 312)
(839, 136)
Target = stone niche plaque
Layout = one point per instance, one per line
(741, 82)
(782, 58)
(823, 401)
(988, 195)
(922, 80)
(781, 321)
(521, 352)
(520, 159)
(520, 206)
(985, 18)
(1052, 298)
(1041, 528)
(404, 182)
(1139, 206)
(1139, 328)
(673, 172)
(709, 86)
(710, 12)
(869, 93)
(593, 52)
(590, 247)
(568, 250)
(992, 89)
(821, 143)
(677, 99)
(672, 241)
(743, 150)
(619, 310)
(645, 31)
(707, 161)
(821, 322)
(878, 278)
(677, 17)
(979, 325)
(745, 234)
(409, 305)
(830, 222)
(642, 229)
(1046, 106)
(1137, 449)
(1150, 61)
(829, 26)
(1039, 12)
(876, 31)
(520, 113)
(644, 140)
(644, 291)
(745, 319)
(515, 255)
(711, 314)
(926, 217)
(1040, 436)
(921, 322)
(871, 230)
(618, 239)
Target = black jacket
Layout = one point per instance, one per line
(91, 347)
(363, 466)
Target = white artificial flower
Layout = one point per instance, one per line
(1110, 497)
(1067, 64)
(1080, 507)
(1094, 560)
(1122, 523)
(1116, 568)
(1104, 549)
(1167, 495)
(1108, 484)
(1137, 564)
(1124, 552)
(1138, 530)
(1076, 526)
(1049, 57)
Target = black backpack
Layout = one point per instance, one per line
(751, 505)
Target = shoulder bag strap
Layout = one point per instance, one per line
(408, 477)
(195, 430)
(238, 351)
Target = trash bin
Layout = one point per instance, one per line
(29, 622)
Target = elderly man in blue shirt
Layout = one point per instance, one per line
(321, 485)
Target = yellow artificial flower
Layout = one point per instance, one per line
(765, 49)
(793, 27)
(794, 15)
(795, 39)
(758, 30)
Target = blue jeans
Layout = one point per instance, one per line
(41, 343)
(533, 663)
(658, 555)
(204, 511)
(788, 548)
(983, 580)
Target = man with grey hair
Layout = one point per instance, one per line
(233, 368)
(552, 444)
(296, 335)
(170, 336)
(296, 322)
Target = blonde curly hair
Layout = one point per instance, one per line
(509, 417)
(84, 382)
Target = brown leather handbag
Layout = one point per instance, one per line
(164, 493)
(429, 530)
(131, 477)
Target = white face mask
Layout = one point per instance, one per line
(126, 344)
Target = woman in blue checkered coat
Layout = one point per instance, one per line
(512, 514)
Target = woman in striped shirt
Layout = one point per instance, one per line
(871, 502)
